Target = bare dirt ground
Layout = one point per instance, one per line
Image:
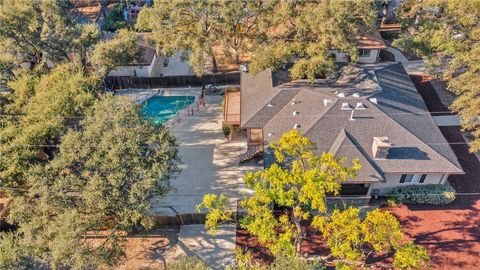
(150, 250)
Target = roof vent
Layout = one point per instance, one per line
(351, 116)
(269, 134)
(357, 95)
(346, 106)
(380, 147)
(341, 95)
(295, 113)
(296, 126)
(269, 104)
(373, 100)
(360, 106)
(327, 101)
(294, 101)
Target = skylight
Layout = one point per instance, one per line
(346, 106)
(360, 106)
(327, 101)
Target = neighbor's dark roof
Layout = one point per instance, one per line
(398, 113)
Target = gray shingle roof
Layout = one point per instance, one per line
(399, 114)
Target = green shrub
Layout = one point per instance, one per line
(226, 130)
(425, 194)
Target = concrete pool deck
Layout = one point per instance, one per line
(210, 162)
(140, 95)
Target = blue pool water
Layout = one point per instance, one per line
(161, 108)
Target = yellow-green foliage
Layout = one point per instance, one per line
(343, 233)
(349, 237)
(217, 210)
(382, 230)
(299, 181)
(411, 256)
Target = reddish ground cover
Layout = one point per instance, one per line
(450, 233)
(470, 181)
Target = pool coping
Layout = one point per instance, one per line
(177, 117)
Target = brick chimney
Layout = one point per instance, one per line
(380, 147)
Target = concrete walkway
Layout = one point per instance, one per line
(412, 67)
(447, 120)
(210, 163)
(217, 251)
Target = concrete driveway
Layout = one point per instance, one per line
(210, 162)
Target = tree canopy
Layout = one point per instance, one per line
(272, 33)
(40, 109)
(36, 31)
(122, 49)
(98, 185)
(448, 34)
(352, 239)
(304, 32)
(299, 182)
(292, 192)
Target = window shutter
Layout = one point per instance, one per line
(422, 179)
(402, 179)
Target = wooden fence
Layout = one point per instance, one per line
(123, 82)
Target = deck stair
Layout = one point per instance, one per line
(251, 152)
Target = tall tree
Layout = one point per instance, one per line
(300, 184)
(98, 185)
(190, 26)
(204, 29)
(242, 26)
(448, 34)
(39, 111)
(303, 32)
(37, 31)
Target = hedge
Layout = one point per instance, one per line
(425, 194)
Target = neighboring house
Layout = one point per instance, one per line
(90, 11)
(153, 64)
(374, 115)
(368, 45)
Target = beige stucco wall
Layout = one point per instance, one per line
(342, 58)
(393, 180)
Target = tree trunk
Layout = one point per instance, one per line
(299, 239)
(214, 64)
(236, 57)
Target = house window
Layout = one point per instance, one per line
(363, 53)
(413, 178)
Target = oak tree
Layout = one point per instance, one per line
(98, 185)
(122, 49)
(305, 32)
(447, 33)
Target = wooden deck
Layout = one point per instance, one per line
(232, 108)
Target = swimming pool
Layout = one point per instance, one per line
(161, 108)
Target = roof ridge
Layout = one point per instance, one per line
(429, 115)
(342, 136)
(263, 106)
(418, 138)
(364, 153)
